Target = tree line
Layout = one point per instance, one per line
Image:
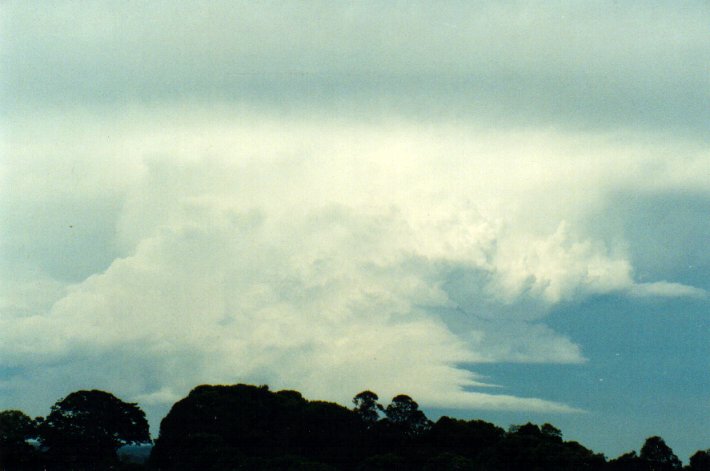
(246, 427)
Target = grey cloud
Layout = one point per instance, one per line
(595, 65)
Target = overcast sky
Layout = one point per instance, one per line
(501, 209)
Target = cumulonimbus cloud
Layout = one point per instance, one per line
(332, 258)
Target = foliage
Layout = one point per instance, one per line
(700, 461)
(404, 412)
(242, 423)
(85, 429)
(658, 455)
(15, 427)
(15, 453)
(244, 427)
(466, 438)
(528, 447)
(367, 407)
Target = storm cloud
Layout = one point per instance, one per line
(338, 197)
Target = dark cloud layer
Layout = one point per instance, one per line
(596, 66)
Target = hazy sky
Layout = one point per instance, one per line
(501, 209)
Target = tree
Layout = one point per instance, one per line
(530, 447)
(700, 461)
(658, 455)
(15, 429)
(404, 412)
(225, 427)
(85, 429)
(627, 462)
(461, 437)
(367, 407)
(551, 431)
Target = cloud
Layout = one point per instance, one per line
(317, 303)
(602, 66)
(327, 319)
(326, 257)
(318, 197)
(667, 290)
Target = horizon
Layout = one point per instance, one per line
(498, 209)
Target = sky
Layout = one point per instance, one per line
(498, 208)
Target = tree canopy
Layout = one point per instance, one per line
(15, 429)
(87, 427)
(367, 407)
(658, 455)
(243, 423)
(245, 427)
(700, 461)
(404, 411)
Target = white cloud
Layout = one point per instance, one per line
(557, 268)
(665, 289)
(326, 257)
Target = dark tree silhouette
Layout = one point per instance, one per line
(399, 436)
(216, 427)
(330, 433)
(404, 412)
(367, 407)
(627, 462)
(15, 453)
(225, 427)
(84, 430)
(700, 461)
(244, 427)
(15, 427)
(528, 447)
(465, 438)
(658, 455)
(551, 431)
